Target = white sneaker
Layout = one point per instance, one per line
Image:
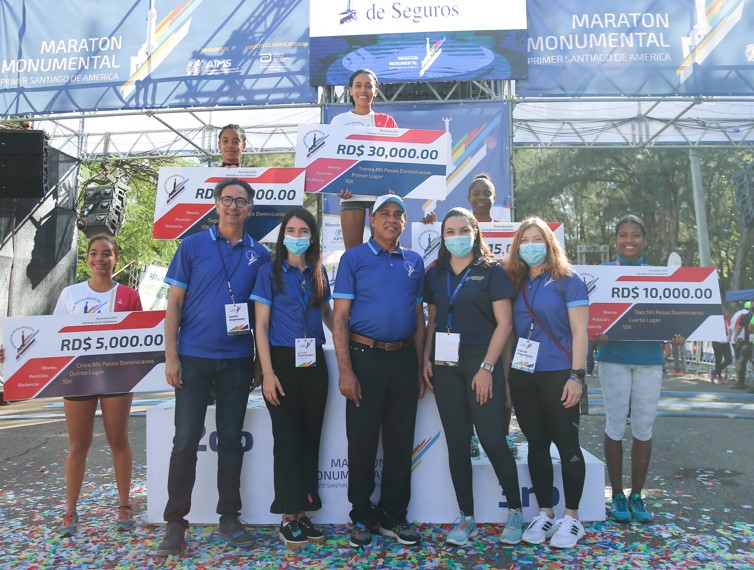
(568, 533)
(540, 529)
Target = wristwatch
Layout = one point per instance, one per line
(579, 374)
(487, 367)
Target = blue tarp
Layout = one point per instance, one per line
(740, 295)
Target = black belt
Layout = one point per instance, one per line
(396, 345)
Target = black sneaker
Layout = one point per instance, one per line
(292, 535)
(311, 531)
(402, 532)
(360, 536)
(232, 531)
(172, 542)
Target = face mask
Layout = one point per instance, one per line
(533, 254)
(459, 246)
(296, 246)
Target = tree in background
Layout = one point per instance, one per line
(590, 189)
(137, 248)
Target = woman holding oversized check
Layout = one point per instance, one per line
(550, 316)
(363, 87)
(631, 379)
(291, 297)
(99, 294)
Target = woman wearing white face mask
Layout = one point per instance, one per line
(550, 316)
(469, 299)
(291, 297)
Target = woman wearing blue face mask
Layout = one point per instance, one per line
(550, 316)
(469, 298)
(291, 297)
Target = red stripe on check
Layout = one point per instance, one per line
(604, 315)
(323, 171)
(410, 136)
(179, 219)
(34, 376)
(134, 320)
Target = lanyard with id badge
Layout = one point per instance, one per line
(448, 343)
(236, 314)
(306, 347)
(525, 355)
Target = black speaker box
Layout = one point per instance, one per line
(23, 164)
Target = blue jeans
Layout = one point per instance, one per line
(231, 379)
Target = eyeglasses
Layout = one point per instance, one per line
(228, 200)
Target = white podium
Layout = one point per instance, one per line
(432, 496)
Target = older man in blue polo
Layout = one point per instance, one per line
(378, 331)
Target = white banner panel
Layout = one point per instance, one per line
(432, 496)
(327, 17)
(368, 160)
(185, 202)
(498, 235)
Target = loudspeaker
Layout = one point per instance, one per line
(23, 164)
(744, 184)
(103, 209)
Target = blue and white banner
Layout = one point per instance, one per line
(479, 135)
(85, 55)
(419, 40)
(639, 48)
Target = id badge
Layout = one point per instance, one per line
(237, 318)
(525, 357)
(446, 348)
(306, 352)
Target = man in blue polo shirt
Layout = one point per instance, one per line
(378, 332)
(209, 345)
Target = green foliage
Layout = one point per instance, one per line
(137, 248)
(590, 189)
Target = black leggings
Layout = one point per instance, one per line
(296, 430)
(458, 408)
(723, 357)
(544, 420)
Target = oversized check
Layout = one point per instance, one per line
(368, 160)
(185, 203)
(497, 235)
(78, 355)
(654, 303)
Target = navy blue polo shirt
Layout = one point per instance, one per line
(291, 314)
(636, 352)
(199, 266)
(383, 288)
(550, 301)
(473, 318)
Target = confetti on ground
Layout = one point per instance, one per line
(28, 539)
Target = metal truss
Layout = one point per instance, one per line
(633, 122)
(536, 123)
